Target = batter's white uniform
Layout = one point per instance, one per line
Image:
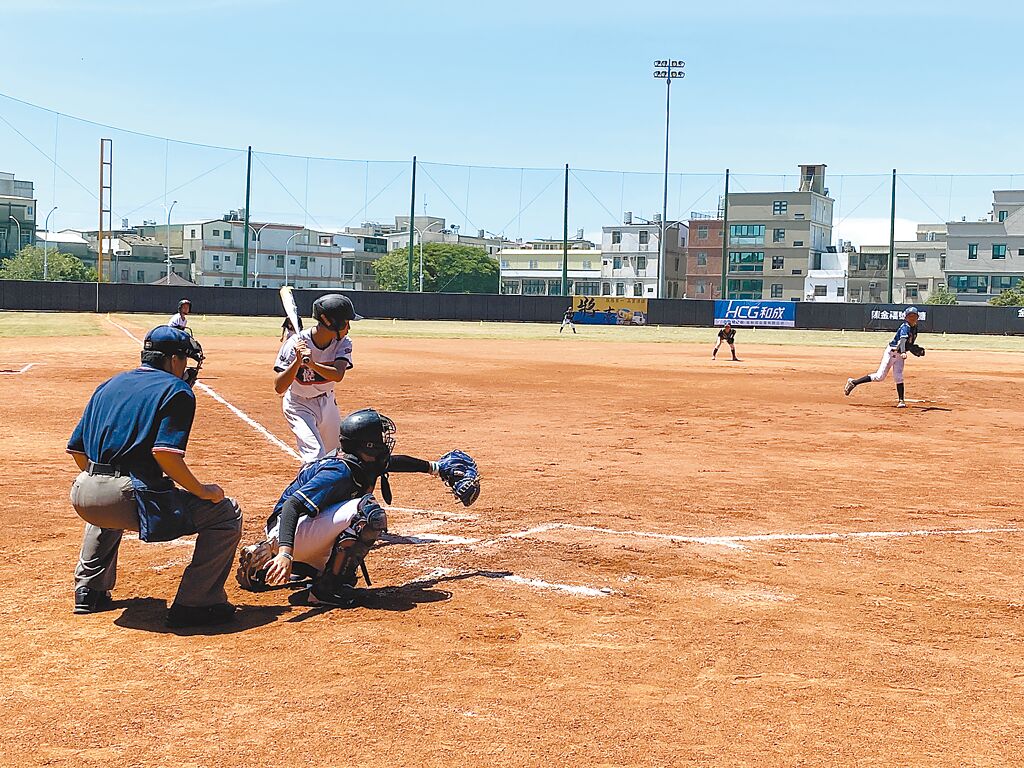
(178, 321)
(315, 536)
(308, 404)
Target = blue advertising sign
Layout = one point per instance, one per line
(767, 314)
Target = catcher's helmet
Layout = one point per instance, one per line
(368, 432)
(336, 308)
(172, 341)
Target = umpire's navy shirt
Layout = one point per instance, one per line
(130, 416)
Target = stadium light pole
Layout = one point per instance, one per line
(46, 226)
(421, 232)
(256, 272)
(667, 70)
(169, 241)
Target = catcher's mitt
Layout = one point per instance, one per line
(916, 350)
(459, 472)
(252, 564)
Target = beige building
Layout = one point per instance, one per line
(919, 267)
(776, 238)
(17, 214)
(537, 271)
(986, 257)
(129, 258)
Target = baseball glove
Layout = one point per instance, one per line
(916, 350)
(252, 564)
(459, 472)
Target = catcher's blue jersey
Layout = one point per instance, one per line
(320, 484)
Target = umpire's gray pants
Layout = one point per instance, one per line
(219, 527)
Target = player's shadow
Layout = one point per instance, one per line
(148, 614)
(404, 597)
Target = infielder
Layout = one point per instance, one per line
(308, 366)
(287, 331)
(893, 357)
(567, 320)
(180, 320)
(728, 335)
(326, 520)
(130, 445)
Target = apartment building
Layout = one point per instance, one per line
(17, 214)
(919, 268)
(535, 268)
(129, 258)
(702, 261)
(629, 257)
(986, 257)
(775, 238)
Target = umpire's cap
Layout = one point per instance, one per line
(336, 308)
(172, 341)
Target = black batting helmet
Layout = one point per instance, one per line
(368, 432)
(336, 308)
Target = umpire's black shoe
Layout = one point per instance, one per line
(199, 615)
(91, 600)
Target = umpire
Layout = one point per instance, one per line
(130, 445)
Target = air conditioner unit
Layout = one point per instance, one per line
(627, 217)
(872, 284)
(657, 218)
(216, 267)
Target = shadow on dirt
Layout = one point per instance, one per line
(148, 614)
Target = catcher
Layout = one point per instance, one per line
(895, 353)
(327, 520)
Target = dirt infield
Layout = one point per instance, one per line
(618, 596)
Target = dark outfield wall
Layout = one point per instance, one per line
(159, 299)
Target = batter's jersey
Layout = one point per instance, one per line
(130, 416)
(309, 383)
(906, 331)
(178, 321)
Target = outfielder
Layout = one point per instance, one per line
(327, 519)
(567, 321)
(728, 335)
(130, 445)
(308, 366)
(893, 357)
(180, 320)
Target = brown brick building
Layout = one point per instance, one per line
(703, 254)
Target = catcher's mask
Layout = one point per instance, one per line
(176, 342)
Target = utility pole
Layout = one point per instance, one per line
(725, 236)
(245, 229)
(668, 70)
(412, 228)
(565, 236)
(892, 233)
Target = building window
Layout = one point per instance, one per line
(587, 288)
(1020, 252)
(968, 283)
(776, 290)
(677, 264)
(280, 261)
(746, 234)
(972, 250)
(702, 259)
(533, 287)
(641, 262)
(140, 276)
(797, 272)
(902, 261)
(701, 285)
(798, 217)
(555, 288)
(855, 294)
(638, 289)
(227, 236)
(798, 243)
(998, 250)
(193, 234)
(617, 262)
(620, 289)
(820, 290)
(314, 285)
(216, 257)
(216, 233)
(325, 240)
(606, 289)
(702, 231)
(303, 262)
(745, 289)
(238, 259)
(746, 261)
(919, 257)
(192, 255)
(504, 264)
(533, 263)
(616, 237)
(942, 260)
(586, 265)
(1002, 283)
(840, 291)
(778, 235)
(645, 237)
(779, 207)
(1002, 215)
(778, 262)
(910, 291)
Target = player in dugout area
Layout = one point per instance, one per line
(728, 335)
(130, 447)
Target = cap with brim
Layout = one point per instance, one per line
(172, 341)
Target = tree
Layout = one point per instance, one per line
(1013, 297)
(27, 264)
(941, 295)
(447, 268)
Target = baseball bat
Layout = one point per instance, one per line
(290, 310)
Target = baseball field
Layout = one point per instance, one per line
(673, 561)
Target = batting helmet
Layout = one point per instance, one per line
(336, 308)
(183, 302)
(368, 432)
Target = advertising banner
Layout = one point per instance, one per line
(609, 310)
(889, 317)
(761, 314)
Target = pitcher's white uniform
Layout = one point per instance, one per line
(308, 404)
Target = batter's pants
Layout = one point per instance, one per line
(315, 536)
(315, 422)
(890, 359)
(219, 527)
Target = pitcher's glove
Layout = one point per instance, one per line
(459, 472)
(915, 350)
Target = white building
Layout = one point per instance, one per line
(629, 257)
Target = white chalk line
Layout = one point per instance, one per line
(510, 578)
(18, 373)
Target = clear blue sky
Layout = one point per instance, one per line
(864, 87)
